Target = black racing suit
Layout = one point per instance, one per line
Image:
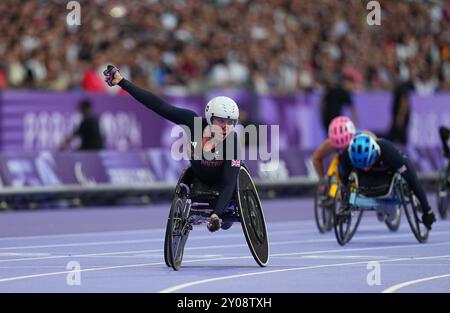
(222, 171)
(390, 159)
(444, 133)
(89, 132)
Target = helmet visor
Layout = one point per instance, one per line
(220, 121)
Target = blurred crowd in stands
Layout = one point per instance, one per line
(189, 46)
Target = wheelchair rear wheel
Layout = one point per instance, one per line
(252, 218)
(394, 224)
(412, 209)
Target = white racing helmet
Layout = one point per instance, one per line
(223, 107)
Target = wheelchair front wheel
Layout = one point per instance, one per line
(177, 233)
(166, 243)
(442, 196)
(412, 209)
(346, 223)
(169, 233)
(324, 207)
(394, 224)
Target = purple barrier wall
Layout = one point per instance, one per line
(428, 113)
(19, 169)
(31, 121)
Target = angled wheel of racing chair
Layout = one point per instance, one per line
(387, 198)
(443, 195)
(325, 198)
(346, 216)
(192, 205)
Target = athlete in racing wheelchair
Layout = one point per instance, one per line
(443, 184)
(375, 175)
(341, 131)
(216, 179)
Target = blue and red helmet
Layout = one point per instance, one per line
(363, 151)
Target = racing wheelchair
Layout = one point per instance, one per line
(325, 198)
(192, 205)
(325, 202)
(387, 198)
(443, 195)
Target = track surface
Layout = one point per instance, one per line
(121, 250)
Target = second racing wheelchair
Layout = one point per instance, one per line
(443, 194)
(386, 199)
(327, 198)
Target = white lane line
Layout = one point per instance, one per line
(193, 256)
(209, 280)
(103, 233)
(94, 243)
(276, 243)
(424, 264)
(135, 251)
(81, 244)
(8, 279)
(139, 231)
(113, 242)
(26, 254)
(15, 278)
(360, 249)
(397, 287)
(272, 226)
(336, 257)
(80, 255)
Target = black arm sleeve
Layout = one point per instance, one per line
(229, 179)
(176, 115)
(413, 182)
(395, 160)
(230, 176)
(444, 133)
(345, 168)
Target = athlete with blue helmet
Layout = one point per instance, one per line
(341, 131)
(369, 155)
(363, 151)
